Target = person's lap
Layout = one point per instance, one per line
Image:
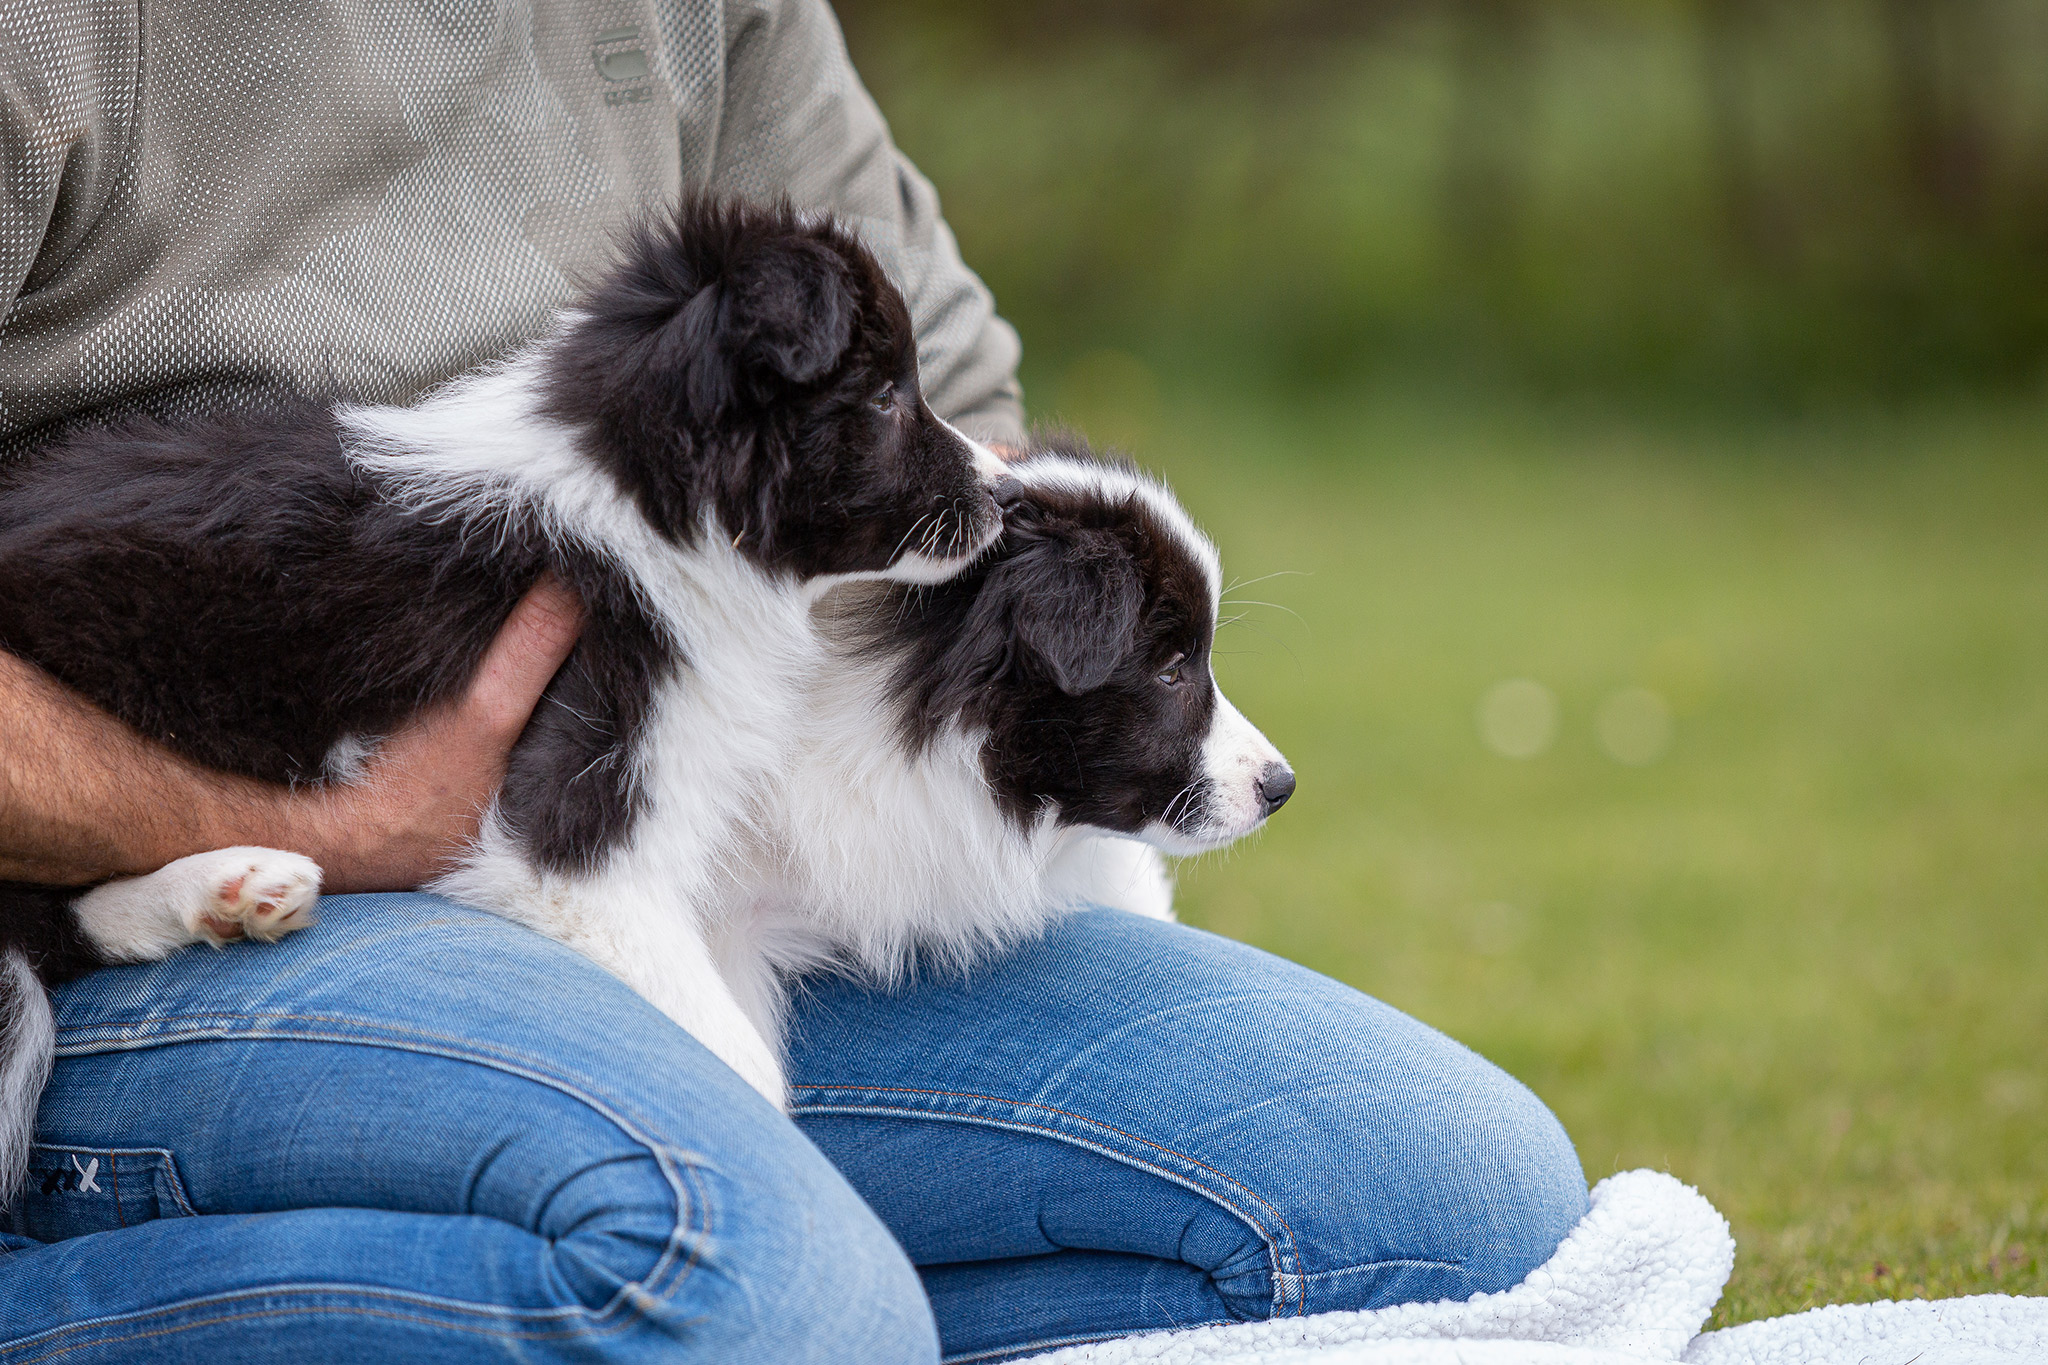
(1139, 1125)
(419, 1133)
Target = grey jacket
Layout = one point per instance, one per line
(206, 204)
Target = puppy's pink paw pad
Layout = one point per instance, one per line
(260, 894)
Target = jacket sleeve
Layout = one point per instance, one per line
(797, 121)
(29, 167)
(67, 77)
(33, 142)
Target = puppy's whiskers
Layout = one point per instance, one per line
(1254, 602)
(1170, 817)
(1236, 584)
(906, 537)
(1254, 625)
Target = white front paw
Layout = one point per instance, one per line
(259, 893)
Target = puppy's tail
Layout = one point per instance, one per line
(28, 1042)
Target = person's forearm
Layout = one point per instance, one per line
(83, 797)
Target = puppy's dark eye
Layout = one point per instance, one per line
(885, 399)
(1171, 673)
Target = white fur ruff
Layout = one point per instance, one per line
(28, 1041)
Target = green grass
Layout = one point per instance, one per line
(1801, 959)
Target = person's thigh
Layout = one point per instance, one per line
(418, 1132)
(1133, 1125)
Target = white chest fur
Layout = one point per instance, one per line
(867, 854)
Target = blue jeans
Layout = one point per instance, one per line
(420, 1133)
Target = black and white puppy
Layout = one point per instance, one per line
(725, 428)
(982, 755)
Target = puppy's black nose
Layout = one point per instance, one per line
(1276, 784)
(1008, 491)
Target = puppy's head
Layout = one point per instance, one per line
(1080, 648)
(750, 373)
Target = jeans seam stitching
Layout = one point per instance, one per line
(143, 1317)
(1139, 1161)
(177, 1183)
(701, 1208)
(668, 1159)
(1282, 1248)
(541, 1317)
(142, 1034)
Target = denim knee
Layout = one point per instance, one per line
(707, 1220)
(1227, 1133)
(806, 1273)
(706, 1223)
(1490, 1186)
(1389, 1163)
(1516, 1189)
(587, 1182)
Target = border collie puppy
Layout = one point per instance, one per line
(727, 426)
(982, 755)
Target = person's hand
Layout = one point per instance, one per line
(422, 796)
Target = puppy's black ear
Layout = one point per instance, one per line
(790, 310)
(722, 303)
(1076, 605)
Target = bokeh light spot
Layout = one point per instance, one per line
(2012, 1092)
(1634, 726)
(1518, 718)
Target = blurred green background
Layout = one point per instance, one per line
(1712, 198)
(1625, 422)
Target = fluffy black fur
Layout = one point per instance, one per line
(218, 587)
(243, 593)
(792, 349)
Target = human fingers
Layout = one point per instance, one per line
(527, 652)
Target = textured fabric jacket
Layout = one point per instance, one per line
(206, 203)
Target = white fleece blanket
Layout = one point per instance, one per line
(1634, 1282)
